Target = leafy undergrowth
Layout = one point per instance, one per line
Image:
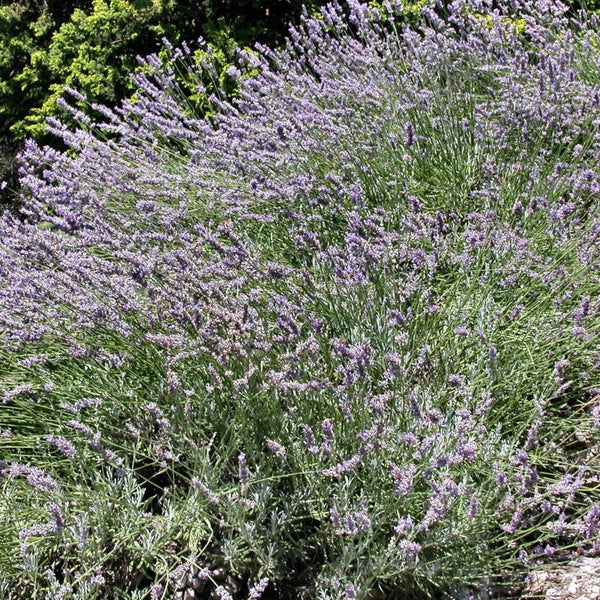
(338, 340)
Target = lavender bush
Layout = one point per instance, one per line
(338, 340)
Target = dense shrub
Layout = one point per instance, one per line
(337, 340)
(93, 45)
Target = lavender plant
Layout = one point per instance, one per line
(338, 340)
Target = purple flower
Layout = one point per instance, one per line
(276, 448)
(344, 467)
(516, 312)
(37, 530)
(532, 436)
(327, 445)
(34, 476)
(461, 331)
(515, 522)
(521, 458)
(243, 472)
(409, 135)
(411, 551)
(455, 380)
(404, 525)
(583, 310)
(591, 522)
(222, 593)
(205, 491)
(473, 508)
(258, 588)
(403, 478)
(153, 244)
(351, 523)
(414, 404)
(63, 445)
(97, 578)
(466, 450)
(82, 428)
(559, 369)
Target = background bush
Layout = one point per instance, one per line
(93, 45)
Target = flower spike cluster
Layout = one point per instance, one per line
(339, 335)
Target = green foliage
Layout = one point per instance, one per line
(92, 45)
(156, 488)
(411, 9)
(23, 70)
(591, 5)
(93, 52)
